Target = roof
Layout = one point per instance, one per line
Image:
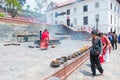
(65, 3)
(54, 5)
(118, 1)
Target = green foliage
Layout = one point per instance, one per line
(2, 15)
(12, 4)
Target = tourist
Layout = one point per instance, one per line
(108, 51)
(119, 38)
(95, 52)
(94, 29)
(115, 39)
(112, 40)
(110, 37)
(104, 48)
(44, 40)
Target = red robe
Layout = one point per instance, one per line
(105, 43)
(44, 40)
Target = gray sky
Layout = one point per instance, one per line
(33, 4)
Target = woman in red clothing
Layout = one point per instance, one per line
(109, 46)
(105, 46)
(44, 40)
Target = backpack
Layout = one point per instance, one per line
(110, 37)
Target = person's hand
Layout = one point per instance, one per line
(100, 55)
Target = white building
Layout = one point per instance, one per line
(84, 13)
(2, 3)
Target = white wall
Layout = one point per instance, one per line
(103, 11)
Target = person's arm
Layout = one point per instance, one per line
(104, 45)
(101, 46)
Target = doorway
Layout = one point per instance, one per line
(68, 22)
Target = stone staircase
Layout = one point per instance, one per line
(65, 31)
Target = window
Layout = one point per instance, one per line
(115, 8)
(75, 21)
(118, 11)
(85, 20)
(85, 8)
(111, 6)
(97, 5)
(75, 10)
(56, 14)
(111, 19)
(68, 12)
(52, 15)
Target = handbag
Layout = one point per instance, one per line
(94, 51)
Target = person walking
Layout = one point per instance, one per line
(110, 37)
(95, 53)
(112, 34)
(119, 38)
(115, 40)
(104, 40)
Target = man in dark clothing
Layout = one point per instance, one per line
(95, 52)
(119, 38)
(110, 37)
(115, 39)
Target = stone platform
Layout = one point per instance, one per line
(23, 63)
(111, 69)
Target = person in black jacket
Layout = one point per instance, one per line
(95, 52)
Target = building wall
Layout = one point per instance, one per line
(2, 3)
(115, 14)
(103, 11)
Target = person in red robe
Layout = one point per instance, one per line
(44, 40)
(105, 47)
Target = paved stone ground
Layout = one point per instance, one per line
(111, 69)
(23, 63)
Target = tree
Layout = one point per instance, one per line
(22, 2)
(14, 6)
(41, 4)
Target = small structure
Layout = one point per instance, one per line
(26, 36)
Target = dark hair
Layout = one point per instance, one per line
(100, 34)
(114, 32)
(94, 33)
(45, 30)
